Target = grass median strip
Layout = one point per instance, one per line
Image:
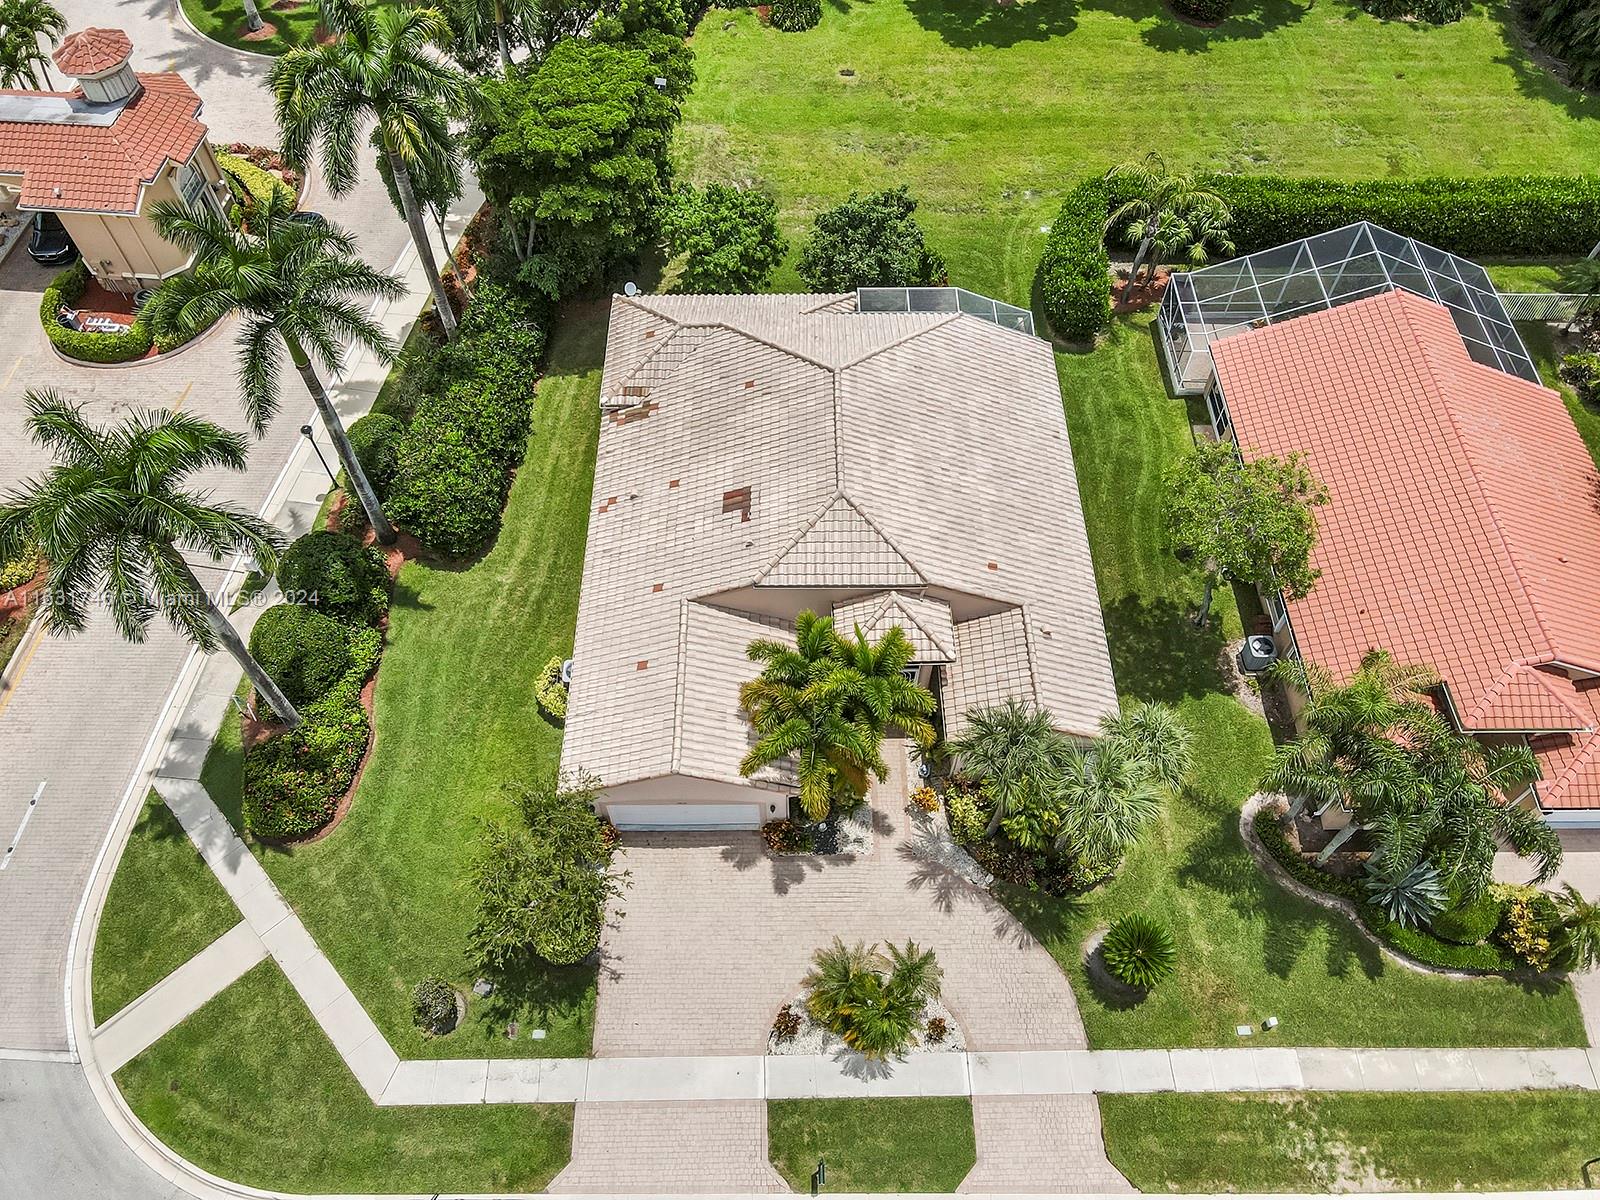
(890, 1144)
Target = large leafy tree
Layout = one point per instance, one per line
(297, 286)
(384, 65)
(113, 519)
(22, 24)
(574, 150)
(1250, 521)
(869, 241)
(826, 703)
(728, 236)
(1166, 214)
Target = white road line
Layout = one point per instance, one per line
(27, 816)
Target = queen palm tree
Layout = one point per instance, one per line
(297, 286)
(384, 64)
(112, 518)
(1165, 208)
(1015, 749)
(22, 24)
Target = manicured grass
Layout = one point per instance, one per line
(386, 894)
(1247, 949)
(989, 111)
(890, 1144)
(250, 1088)
(224, 21)
(1527, 277)
(164, 907)
(1352, 1142)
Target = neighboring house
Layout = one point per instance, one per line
(1463, 529)
(764, 455)
(102, 154)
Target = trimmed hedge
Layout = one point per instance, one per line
(1075, 273)
(1467, 924)
(293, 783)
(66, 289)
(375, 438)
(335, 574)
(305, 651)
(251, 185)
(1416, 943)
(550, 692)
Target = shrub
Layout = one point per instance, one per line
(792, 16)
(729, 235)
(1581, 372)
(65, 289)
(293, 783)
(785, 1025)
(1529, 926)
(874, 1003)
(936, 1030)
(375, 438)
(305, 651)
(869, 241)
(787, 837)
(1439, 12)
(433, 1006)
(1467, 923)
(1410, 898)
(1139, 950)
(335, 574)
(19, 570)
(1567, 29)
(1203, 10)
(968, 820)
(252, 186)
(1075, 274)
(925, 799)
(550, 692)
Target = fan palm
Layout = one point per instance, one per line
(1156, 735)
(1165, 208)
(296, 285)
(112, 518)
(384, 64)
(1015, 749)
(22, 24)
(1108, 796)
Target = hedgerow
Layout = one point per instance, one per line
(1075, 274)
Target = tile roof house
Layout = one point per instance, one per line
(1463, 530)
(101, 154)
(764, 455)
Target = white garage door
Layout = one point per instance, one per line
(685, 816)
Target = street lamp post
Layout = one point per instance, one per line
(311, 436)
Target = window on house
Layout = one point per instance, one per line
(1219, 412)
(194, 189)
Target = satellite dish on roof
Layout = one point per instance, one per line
(630, 288)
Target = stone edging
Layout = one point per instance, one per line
(1274, 871)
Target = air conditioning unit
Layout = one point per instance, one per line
(1257, 654)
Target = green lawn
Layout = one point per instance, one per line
(988, 112)
(385, 894)
(223, 21)
(163, 908)
(249, 1088)
(1350, 1142)
(1248, 949)
(890, 1144)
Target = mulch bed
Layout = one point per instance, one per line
(1146, 293)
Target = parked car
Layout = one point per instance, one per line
(305, 216)
(50, 245)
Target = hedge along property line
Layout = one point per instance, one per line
(1415, 948)
(1510, 216)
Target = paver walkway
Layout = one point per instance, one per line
(701, 1146)
(1026, 1143)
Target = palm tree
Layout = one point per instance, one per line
(1015, 750)
(1155, 735)
(477, 23)
(112, 518)
(384, 64)
(22, 24)
(1578, 935)
(1108, 795)
(881, 693)
(1581, 276)
(295, 284)
(1166, 207)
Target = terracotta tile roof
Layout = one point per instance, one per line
(882, 453)
(1463, 529)
(102, 168)
(90, 51)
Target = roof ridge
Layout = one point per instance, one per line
(1441, 395)
(909, 336)
(878, 529)
(678, 323)
(680, 687)
(1521, 670)
(1589, 746)
(898, 599)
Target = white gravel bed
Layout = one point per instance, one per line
(814, 1039)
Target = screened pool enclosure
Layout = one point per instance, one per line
(943, 300)
(1323, 271)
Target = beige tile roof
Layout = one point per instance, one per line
(777, 453)
(994, 663)
(926, 622)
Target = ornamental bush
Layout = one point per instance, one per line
(66, 289)
(1467, 923)
(335, 574)
(1075, 273)
(550, 692)
(869, 241)
(1139, 950)
(375, 438)
(1581, 372)
(792, 16)
(17, 571)
(433, 1006)
(305, 651)
(252, 186)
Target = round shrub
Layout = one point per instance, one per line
(305, 651)
(334, 574)
(1139, 950)
(1467, 923)
(375, 438)
(1203, 10)
(550, 692)
(433, 1006)
(792, 16)
(869, 241)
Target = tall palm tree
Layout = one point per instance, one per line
(22, 24)
(298, 286)
(112, 518)
(881, 693)
(1164, 208)
(1108, 796)
(478, 23)
(1015, 749)
(384, 64)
